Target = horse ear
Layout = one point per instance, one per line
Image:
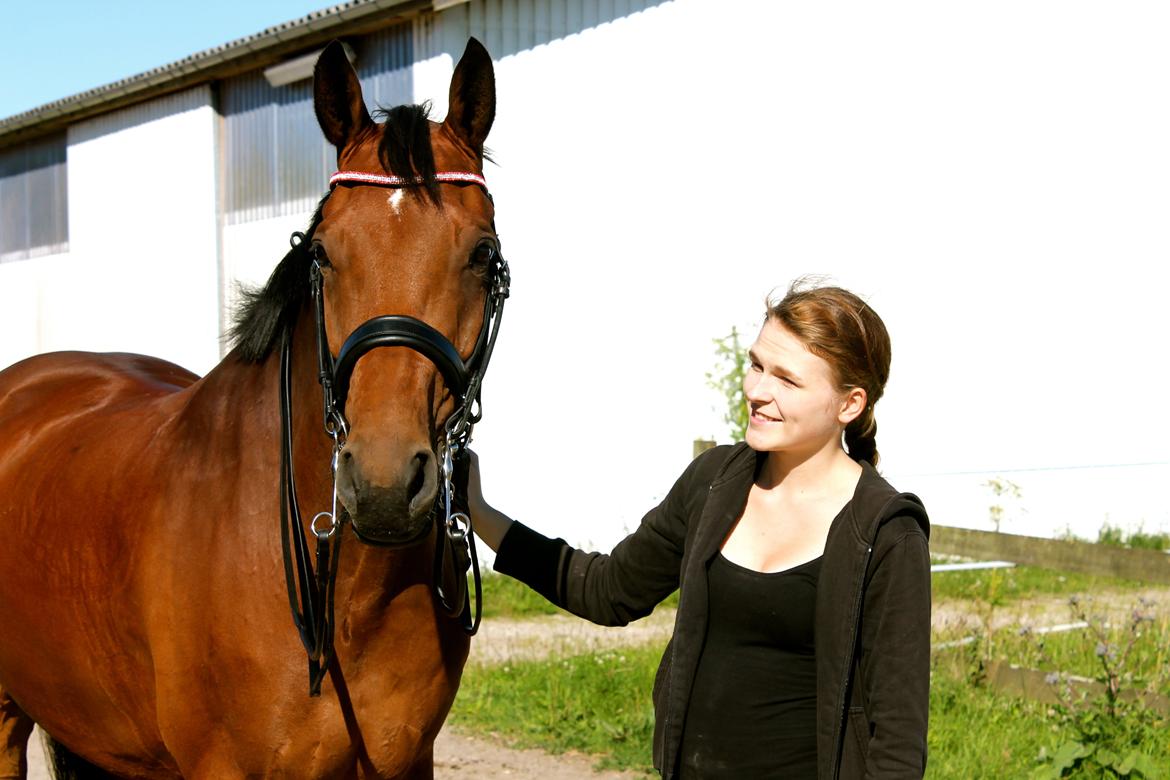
(472, 103)
(337, 97)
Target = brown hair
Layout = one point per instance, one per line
(842, 329)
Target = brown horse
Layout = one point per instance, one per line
(144, 617)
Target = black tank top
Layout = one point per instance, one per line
(752, 711)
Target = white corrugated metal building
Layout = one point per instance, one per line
(993, 179)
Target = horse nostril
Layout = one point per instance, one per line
(420, 490)
(419, 478)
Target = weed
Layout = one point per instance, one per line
(727, 380)
(1112, 734)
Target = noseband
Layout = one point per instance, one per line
(314, 615)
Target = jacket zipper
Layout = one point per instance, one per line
(667, 761)
(849, 667)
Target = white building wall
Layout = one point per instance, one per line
(992, 180)
(141, 272)
(21, 295)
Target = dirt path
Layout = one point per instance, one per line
(462, 757)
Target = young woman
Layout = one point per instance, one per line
(801, 646)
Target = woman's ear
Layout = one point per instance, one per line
(852, 405)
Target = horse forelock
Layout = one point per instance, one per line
(405, 148)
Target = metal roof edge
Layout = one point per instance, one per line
(243, 54)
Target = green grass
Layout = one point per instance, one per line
(506, 597)
(597, 703)
(975, 733)
(1003, 586)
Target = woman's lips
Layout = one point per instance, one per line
(760, 417)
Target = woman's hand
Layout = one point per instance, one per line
(490, 524)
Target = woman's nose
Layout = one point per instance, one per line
(759, 390)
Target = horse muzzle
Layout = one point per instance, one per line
(389, 507)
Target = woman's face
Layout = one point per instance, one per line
(792, 396)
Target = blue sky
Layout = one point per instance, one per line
(56, 48)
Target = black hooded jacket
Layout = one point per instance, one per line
(872, 608)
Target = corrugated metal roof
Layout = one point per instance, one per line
(253, 51)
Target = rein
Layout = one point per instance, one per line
(313, 617)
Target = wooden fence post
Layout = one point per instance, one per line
(700, 446)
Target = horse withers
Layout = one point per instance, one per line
(144, 613)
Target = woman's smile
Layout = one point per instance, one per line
(760, 418)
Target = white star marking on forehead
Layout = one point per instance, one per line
(395, 201)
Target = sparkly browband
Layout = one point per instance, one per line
(357, 177)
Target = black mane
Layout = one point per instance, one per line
(264, 315)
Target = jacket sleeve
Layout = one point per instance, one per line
(895, 655)
(626, 584)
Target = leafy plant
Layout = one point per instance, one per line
(727, 380)
(1112, 732)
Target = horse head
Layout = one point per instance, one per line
(422, 248)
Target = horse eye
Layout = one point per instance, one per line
(320, 256)
(483, 255)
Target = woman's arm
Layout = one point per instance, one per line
(895, 654)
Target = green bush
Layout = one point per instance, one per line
(1137, 540)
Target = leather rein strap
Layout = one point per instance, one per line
(313, 616)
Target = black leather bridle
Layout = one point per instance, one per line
(313, 617)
